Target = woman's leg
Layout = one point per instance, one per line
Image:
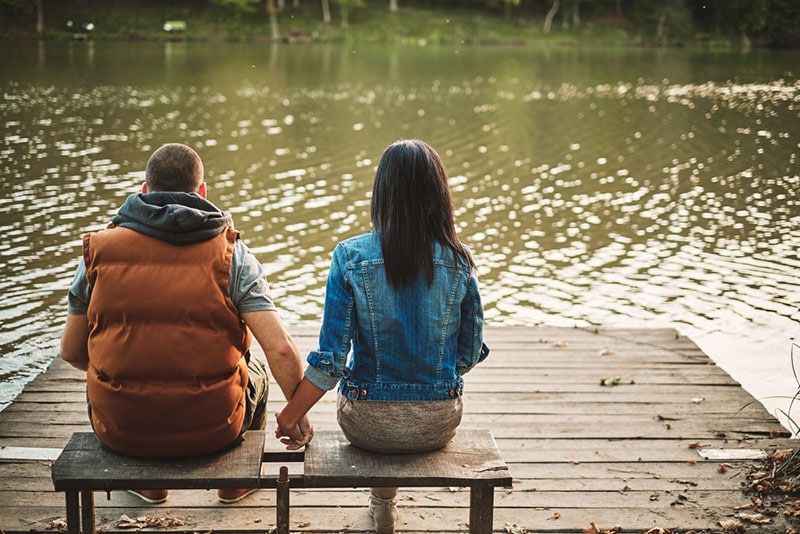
(383, 509)
(396, 427)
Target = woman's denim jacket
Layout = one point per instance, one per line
(411, 344)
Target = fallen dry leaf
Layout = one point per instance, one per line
(59, 523)
(732, 526)
(757, 519)
(555, 515)
(149, 522)
(781, 455)
(658, 530)
(696, 445)
(614, 381)
(722, 468)
(515, 529)
(616, 529)
(792, 509)
(560, 345)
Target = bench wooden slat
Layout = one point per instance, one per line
(84, 464)
(470, 459)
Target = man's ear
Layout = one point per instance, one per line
(202, 190)
(144, 188)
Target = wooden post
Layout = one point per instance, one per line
(282, 501)
(73, 512)
(481, 508)
(87, 511)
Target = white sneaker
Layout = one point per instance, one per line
(384, 513)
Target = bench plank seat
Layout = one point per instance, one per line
(470, 459)
(86, 465)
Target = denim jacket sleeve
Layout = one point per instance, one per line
(471, 348)
(326, 366)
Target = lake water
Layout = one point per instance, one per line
(642, 188)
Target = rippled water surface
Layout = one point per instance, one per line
(636, 188)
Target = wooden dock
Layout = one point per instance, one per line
(602, 429)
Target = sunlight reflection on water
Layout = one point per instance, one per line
(636, 201)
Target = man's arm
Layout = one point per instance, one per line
(283, 358)
(74, 341)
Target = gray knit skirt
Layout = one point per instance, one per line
(399, 427)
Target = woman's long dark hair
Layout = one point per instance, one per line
(412, 208)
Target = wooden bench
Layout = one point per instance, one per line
(85, 466)
(470, 460)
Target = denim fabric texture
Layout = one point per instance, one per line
(383, 344)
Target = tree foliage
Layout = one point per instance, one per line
(245, 5)
(662, 22)
(18, 6)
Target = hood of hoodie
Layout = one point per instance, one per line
(177, 218)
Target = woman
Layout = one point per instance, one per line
(403, 322)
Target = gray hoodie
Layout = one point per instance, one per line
(177, 218)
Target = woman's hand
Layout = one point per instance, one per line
(294, 430)
(294, 436)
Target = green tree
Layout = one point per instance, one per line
(273, 7)
(27, 6)
(548, 20)
(668, 21)
(508, 4)
(345, 6)
(326, 12)
(246, 5)
(273, 10)
(782, 27)
(741, 19)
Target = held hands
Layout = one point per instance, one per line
(294, 429)
(294, 436)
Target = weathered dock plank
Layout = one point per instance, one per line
(597, 426)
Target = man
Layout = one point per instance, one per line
(160, 315)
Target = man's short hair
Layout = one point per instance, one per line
(174, 167)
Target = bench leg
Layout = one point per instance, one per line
(481, 510)
(282, 502)
(87, 511)
(73, 512)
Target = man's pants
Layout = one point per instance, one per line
(255, 414)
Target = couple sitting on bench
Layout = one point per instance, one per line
(165, 300)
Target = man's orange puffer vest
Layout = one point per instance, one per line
(167, 348)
